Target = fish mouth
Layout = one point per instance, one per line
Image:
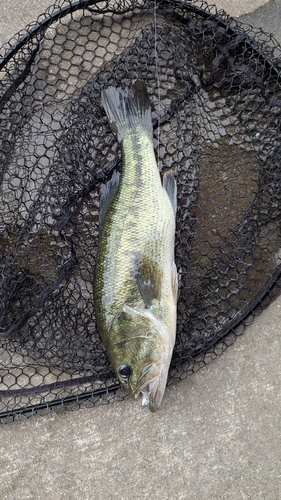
(151, 386)
(146, 393)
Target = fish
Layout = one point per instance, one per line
(136, 281)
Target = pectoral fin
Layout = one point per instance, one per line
(107, 193)
(147, 289)
(149, 279)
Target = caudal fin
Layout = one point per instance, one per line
(127, 111)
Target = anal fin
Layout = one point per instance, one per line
(175, 282)
(170, 185)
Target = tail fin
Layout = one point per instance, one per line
(126, 111)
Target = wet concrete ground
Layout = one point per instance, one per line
(217, 435)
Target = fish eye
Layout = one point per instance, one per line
(125, 371)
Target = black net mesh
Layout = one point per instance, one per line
(215, 90)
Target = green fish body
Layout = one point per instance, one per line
(135, 289)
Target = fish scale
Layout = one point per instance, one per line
(137, 223)
(133, 290)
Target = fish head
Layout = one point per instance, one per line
(140, 351)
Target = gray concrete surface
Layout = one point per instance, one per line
(217, 435)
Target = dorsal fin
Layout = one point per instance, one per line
(107, 193)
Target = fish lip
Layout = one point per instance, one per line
(146, 382)
(147, 391)
(145, 371)
(151, 385)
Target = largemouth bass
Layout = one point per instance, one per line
(135, 288)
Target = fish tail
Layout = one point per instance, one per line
(127, 111)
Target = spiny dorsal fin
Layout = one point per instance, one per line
(170, 185)
(107, 193)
